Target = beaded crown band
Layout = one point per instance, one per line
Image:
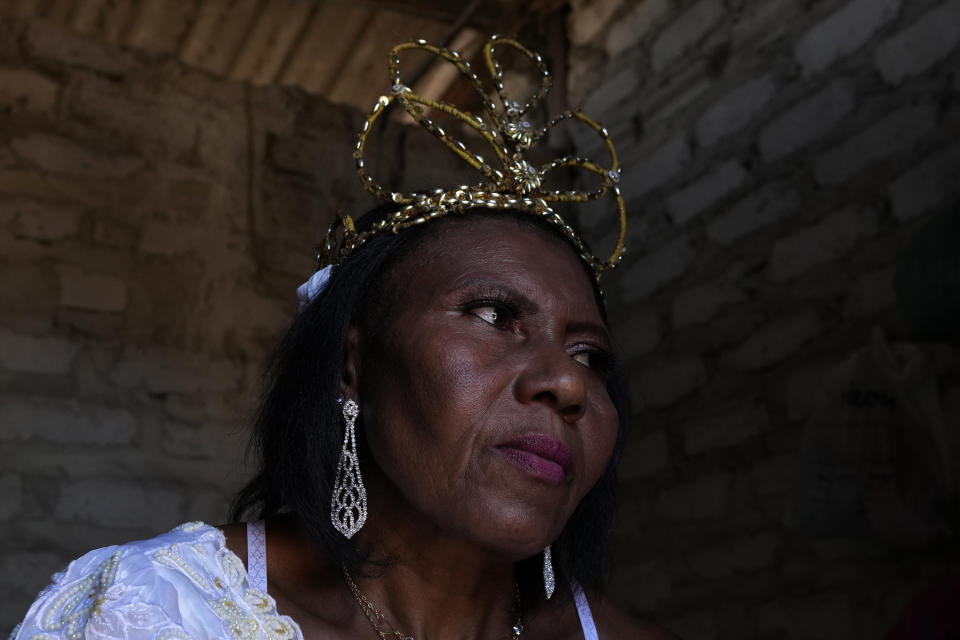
(514, 184)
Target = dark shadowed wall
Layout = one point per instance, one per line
(780, 158)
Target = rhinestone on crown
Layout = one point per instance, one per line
(520, 133)
(524, 177)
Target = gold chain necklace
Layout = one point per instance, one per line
(379, 622)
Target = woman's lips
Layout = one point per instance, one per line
(541, 455)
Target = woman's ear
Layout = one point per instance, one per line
(350, 371)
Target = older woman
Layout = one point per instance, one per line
(437, 440)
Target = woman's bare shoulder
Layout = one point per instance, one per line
(614, 622)
(235, 535)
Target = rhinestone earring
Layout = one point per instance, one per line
(549, 583)
(348, 506)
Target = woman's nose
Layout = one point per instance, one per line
(552, 378)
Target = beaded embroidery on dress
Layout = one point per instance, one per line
(181, 585)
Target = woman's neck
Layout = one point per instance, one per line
(431, 586)
(427, 587)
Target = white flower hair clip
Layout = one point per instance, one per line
(309, 290)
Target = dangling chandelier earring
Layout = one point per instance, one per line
(549, 583)
(348, 506)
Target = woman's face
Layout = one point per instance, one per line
(484, 399)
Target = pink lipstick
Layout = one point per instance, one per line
(540, 455)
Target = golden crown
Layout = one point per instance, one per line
(515, 184)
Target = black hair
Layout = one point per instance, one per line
(298, 430)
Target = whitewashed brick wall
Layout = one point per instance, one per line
(132, 230)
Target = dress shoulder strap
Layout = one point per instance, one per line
(583, 610)
(257, 555)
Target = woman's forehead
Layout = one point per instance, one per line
(453, 235)
(488, 247)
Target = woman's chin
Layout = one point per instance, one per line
(521, 542)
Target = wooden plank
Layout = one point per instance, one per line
(269, 21)
(366, 58)
(441, 75)
(364, 76)
(159, 25)
(439, 10)
(284, 41)
(327, 41)
(208, 25)
(220, 30)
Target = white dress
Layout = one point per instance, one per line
(185, 584)
(182, 584)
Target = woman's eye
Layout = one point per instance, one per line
(592, 359)
(492, 315)
(584, 357)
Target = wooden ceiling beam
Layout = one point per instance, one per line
(486, 15)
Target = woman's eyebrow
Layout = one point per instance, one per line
(488, 286)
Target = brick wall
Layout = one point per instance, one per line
(779, 157)
(154, 225)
